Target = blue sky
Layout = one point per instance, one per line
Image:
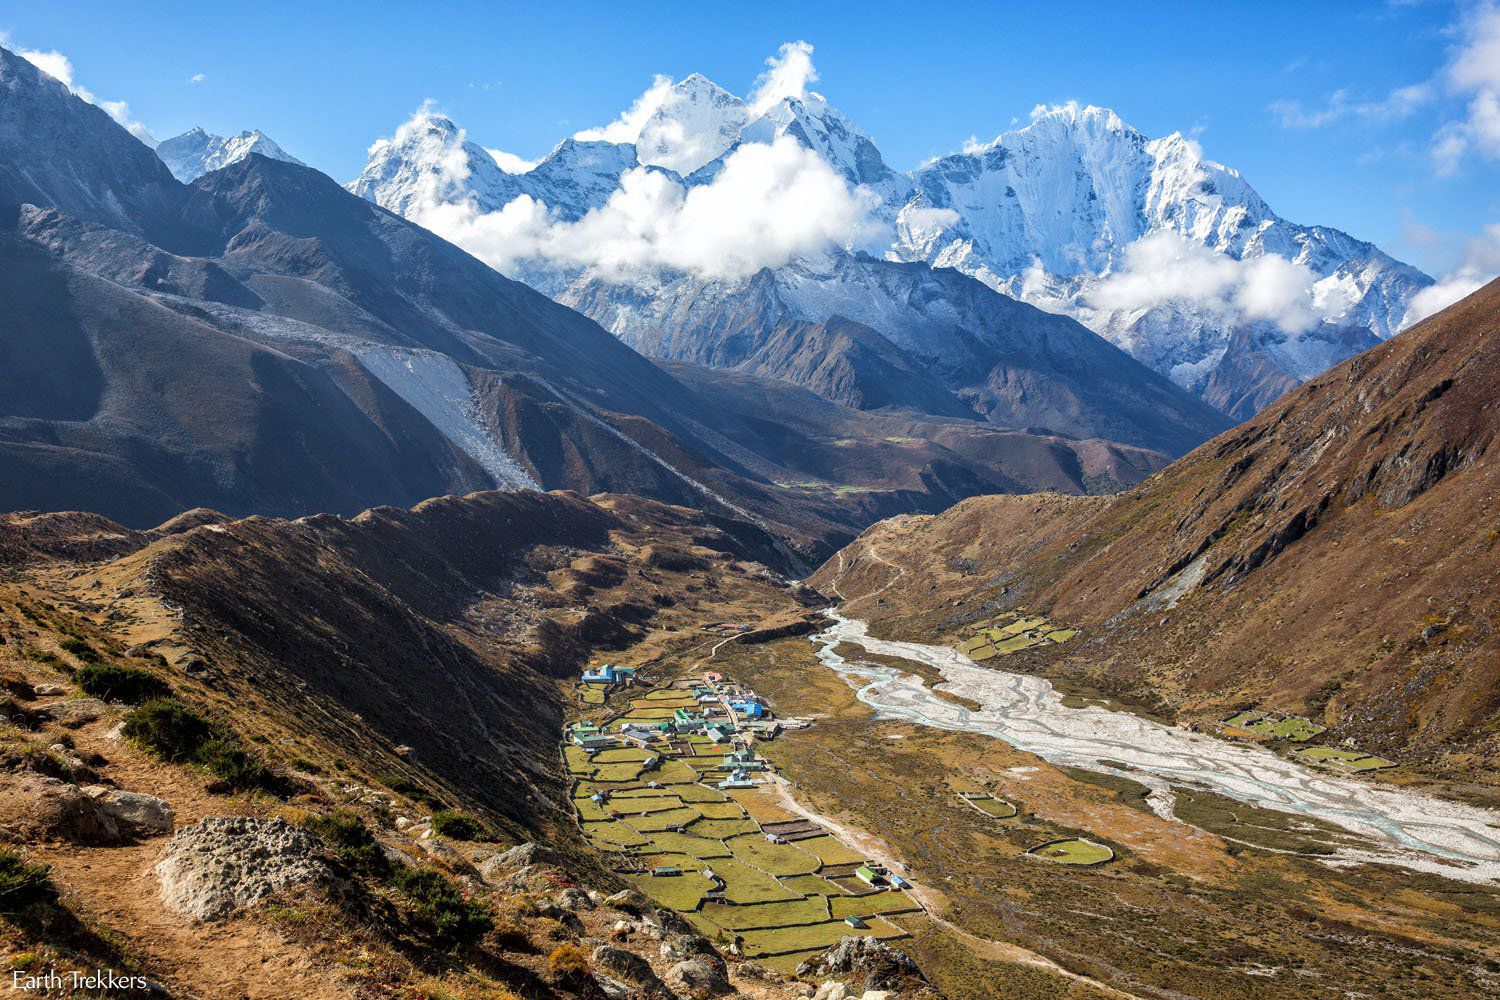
(1333, 111)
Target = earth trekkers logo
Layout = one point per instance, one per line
(74, 979)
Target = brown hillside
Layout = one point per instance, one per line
(1336, 555)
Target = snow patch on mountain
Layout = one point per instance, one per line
(196, 152)
(439, 390)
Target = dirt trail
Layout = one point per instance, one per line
(117, 886)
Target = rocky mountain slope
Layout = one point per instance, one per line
(324, 355)
(1059, 214)
(1333, 557)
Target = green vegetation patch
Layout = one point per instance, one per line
(662, 820)
(621, 755)
(774, 859)
(641, 805)
(1074, 851)
(127, 684)
(991, 806)
(613, 834)
(871, 904)
(812, 885)
(775, 941)
(784, 913)
(831, 851)
(719, 829)
(717, 810)
(685, 843)
(1352, 760)
(684, 891)
(744, 884)
(625, 771)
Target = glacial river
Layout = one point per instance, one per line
(1415, 831)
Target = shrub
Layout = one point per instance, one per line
(170, 729)
(568, 962)
(79, 648)
(456, 826)
(348, 837)
(21, 882)
(237, 767)
(509, 934)
(175, 732)
(127, 684)
(436, 903)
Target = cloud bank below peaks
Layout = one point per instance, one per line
(770, 203)
(1163, 268)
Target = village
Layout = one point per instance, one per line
(667, 780)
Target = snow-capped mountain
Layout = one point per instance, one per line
(1168, 255)
(1056, 213)
(696, 123)
(197, 152)
(431, 161)
(814, 124)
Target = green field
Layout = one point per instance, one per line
(991, 806)
(1011, 633)
(1076, 851)
(1352, 760)
(1293, 728)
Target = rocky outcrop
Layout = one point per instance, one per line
(865, 960)
(223, 864)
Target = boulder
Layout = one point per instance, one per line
(573, 898)
(49, 690)
(627, 901)
(224, 864)
(522, 855)
(623, 964)
(832, 990)
(74, 711)
(697, 977)
(878, 995)
(42, 807)
(871, 963)
(135, 811)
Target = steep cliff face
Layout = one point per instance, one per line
(1333, 556)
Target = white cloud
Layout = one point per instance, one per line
(769, 204)
(1478, 266)
(627, 127)
(197, 78)
(1474, 75)
(1164, 268)
(510, 162)
(1398, 104)
(788, 74)
(60, 68)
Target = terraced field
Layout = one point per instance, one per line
(1012, 632)
(744, 868)
(1293, 728)
(1347, 760)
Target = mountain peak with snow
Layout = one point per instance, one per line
(695, 123)
(197, 152)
